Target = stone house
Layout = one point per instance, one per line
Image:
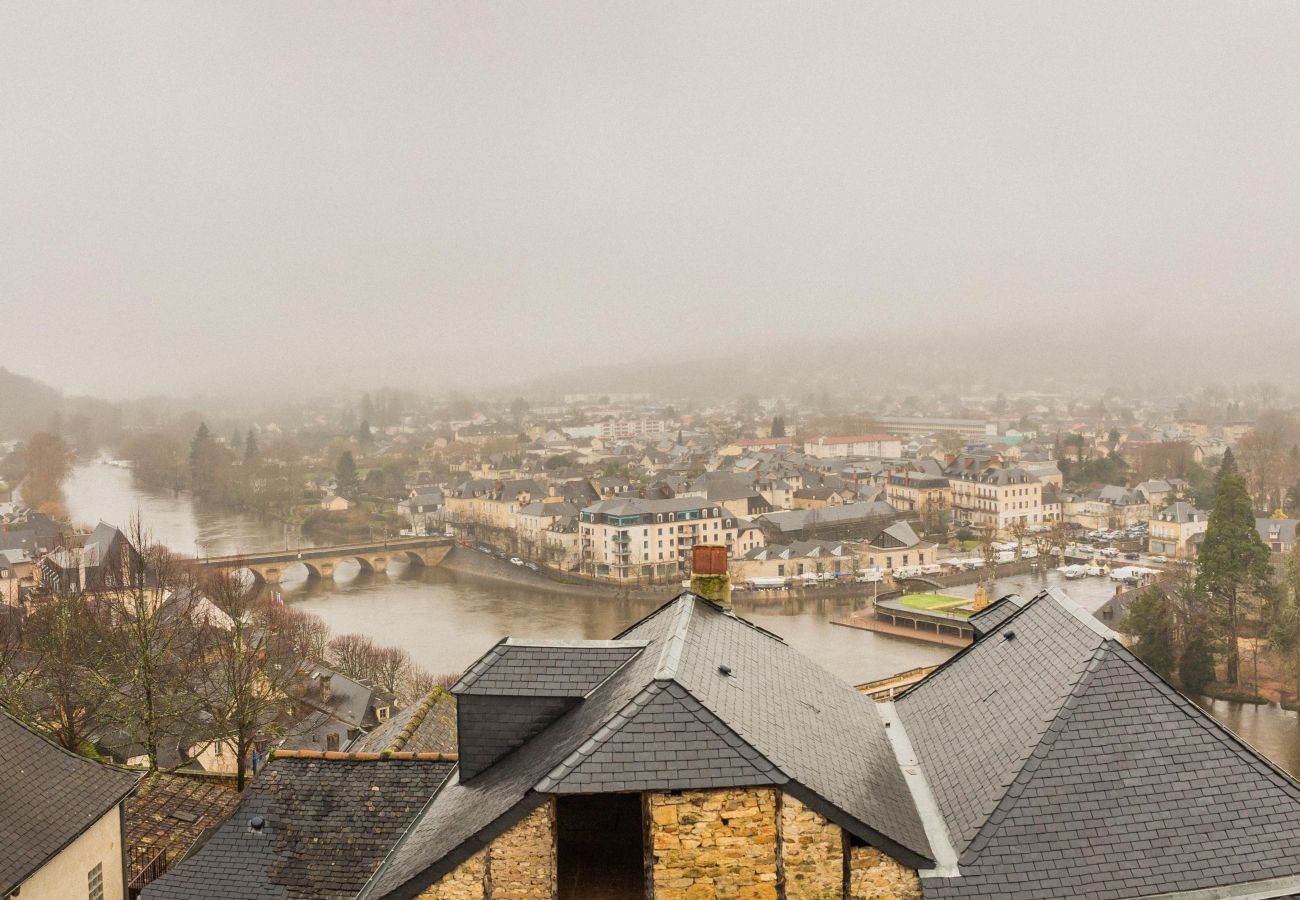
(668, 762)
(61, 820)
(697, 755)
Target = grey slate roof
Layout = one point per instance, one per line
(751, 725)
(990, 617)
(1064, 768)
(545, 668)
(48, 797)
(328, 825)
(425, 727)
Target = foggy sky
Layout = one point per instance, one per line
(231, 196)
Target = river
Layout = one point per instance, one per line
(446, 621)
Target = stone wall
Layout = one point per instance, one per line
(519, 865)
(744, 844)
(875, 876)
(522, 861)
(812, 853)
(468, 881)
(714, 844)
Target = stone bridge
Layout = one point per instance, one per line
(320, 562)
(921, 580)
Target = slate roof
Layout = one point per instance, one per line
(1063, 767)
(327, 826)
(990, 617)
(48, 797)
(425, 727)
(516, 668)
(709, 728)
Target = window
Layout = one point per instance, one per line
(95, 882)
(219, 748)
(332, 741)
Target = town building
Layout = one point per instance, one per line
(793, 560)
(17, 575)
(1171, 531)
(881, 446)
(61, 820)
(921, 496)
(850, 521)
(1109, 506)
(645, 539)
(996, 498)
(1278, 533)
(894, 547)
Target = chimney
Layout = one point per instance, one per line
(709, 576)
(326, 690)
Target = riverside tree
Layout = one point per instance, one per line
(1151, 622)
(1233, 564)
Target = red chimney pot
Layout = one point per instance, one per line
(709, 559)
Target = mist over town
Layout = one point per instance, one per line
(482, 451)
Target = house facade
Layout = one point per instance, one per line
(995, 498)
(1170, 532)
(641, 539)
(62, 820)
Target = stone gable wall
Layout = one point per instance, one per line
(714, 844)
(747, 843)
(875, 876)
(468, 881)
(519, 865)
(812, 853)
(522, 863)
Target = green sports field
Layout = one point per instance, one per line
(940, 602)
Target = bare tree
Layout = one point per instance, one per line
(353, 655)
(388, 669)
(64, 638)
(305, 632)
(248, 674)
(150, 645)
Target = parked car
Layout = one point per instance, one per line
(516, 561)
(481, 549)
(1160, 559)
(1132, 555)
(531, 565)
(869, 576)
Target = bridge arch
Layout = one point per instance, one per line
(294, 570)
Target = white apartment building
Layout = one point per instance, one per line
(630, 428)
(883, 446)
(635, 539)
(997, 498)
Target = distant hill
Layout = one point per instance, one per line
(28, 405)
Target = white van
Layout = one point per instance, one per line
(869, 576)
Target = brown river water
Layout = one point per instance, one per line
(446, 620)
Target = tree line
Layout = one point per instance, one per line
(1189, 627)
(159, 655)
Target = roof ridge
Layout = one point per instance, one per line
(1034, 759)
(365, 755)
(671, 654)
(417, 719)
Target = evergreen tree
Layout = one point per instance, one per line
(778, 427)
(251, 451)
(1228, 465)
(1196, 662)
(346, 473)
(1233, 563)
(363, 432)
(1150, 620)
(198, 443)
